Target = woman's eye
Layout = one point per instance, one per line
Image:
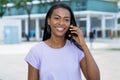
(67, 20)
(56, 18)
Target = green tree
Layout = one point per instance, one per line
(27, 5)
(3, 6)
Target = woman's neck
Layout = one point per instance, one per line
(56, 42)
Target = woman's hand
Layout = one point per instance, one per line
(88, 64)
(79, 38)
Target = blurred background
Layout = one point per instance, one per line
(26, 18)
(22, 26)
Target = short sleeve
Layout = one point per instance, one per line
(79, 52)
(80, 55)
(33, 58)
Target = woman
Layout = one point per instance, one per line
(63, 52)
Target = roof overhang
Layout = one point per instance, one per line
(77, 13)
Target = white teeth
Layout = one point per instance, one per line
(60, 29)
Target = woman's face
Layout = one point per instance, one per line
(59, 22)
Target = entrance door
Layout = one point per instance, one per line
(83, 27)
(98, 33)
(11, 34)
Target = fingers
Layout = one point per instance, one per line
(74, 29)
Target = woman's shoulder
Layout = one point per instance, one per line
(38, 46)
(70, 43)
(74, 45)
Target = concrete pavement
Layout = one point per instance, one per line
(13, 66)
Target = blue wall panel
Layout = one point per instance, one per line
(10, 34)
(97, 5)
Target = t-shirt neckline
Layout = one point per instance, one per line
(56, 48)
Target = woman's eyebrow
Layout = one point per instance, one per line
(60, 16)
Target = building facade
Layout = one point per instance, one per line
(99, 15)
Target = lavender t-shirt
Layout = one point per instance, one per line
(56, 64)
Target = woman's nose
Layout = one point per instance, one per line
(61, 22)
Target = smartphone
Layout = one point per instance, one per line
(71, 39)
(71, 35)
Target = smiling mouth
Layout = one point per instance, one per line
(60, 28)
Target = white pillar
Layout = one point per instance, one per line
(116, 22)
(88, 24)
(26, 26)
(103, 26)
(37, 30)
(116, 26)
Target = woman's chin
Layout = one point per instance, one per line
(60, 35)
